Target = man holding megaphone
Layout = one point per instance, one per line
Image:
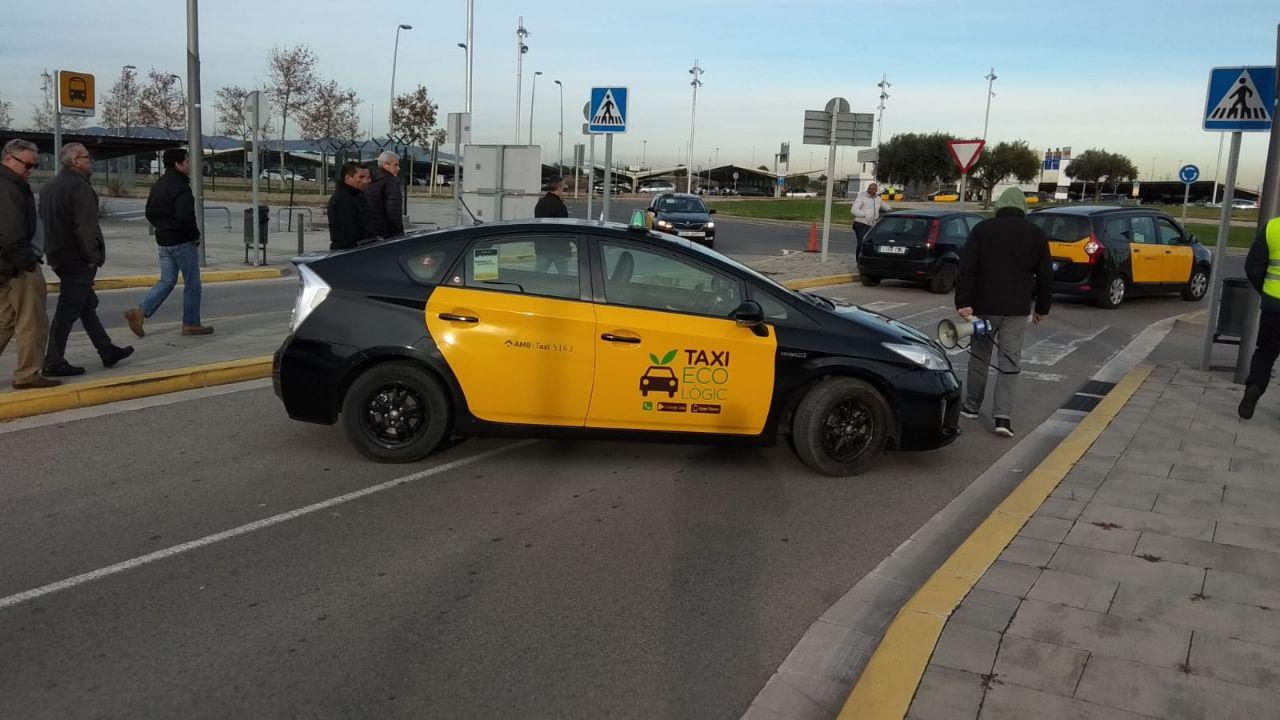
(1002, 266)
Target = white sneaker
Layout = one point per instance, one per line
(965, 412)
(1003, 427)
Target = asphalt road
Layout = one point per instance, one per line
(552, 580)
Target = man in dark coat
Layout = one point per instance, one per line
(553, 253)
(171, 210)
(348, 216)
(22, 286)
(74, 246)
(383, 200)
(1004, 263)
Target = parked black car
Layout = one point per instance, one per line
(920, 245)
(684, 215)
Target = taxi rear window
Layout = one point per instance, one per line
(426, 266)
(1061, 228)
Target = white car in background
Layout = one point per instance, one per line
(803, 193)
(661, 187)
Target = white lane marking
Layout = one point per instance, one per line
(207, 540)
(1051, 350)
(904, 318)
(1137, 350)
(881, 306)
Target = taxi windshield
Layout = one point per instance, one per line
(681, 205)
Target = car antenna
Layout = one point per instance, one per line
(474, 219)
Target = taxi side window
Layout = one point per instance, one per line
(545, 265)
(645, 279)
(1143, 229)
(426, 267)
(1169, 233)
(1116, 231)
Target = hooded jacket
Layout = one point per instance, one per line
(1005, 263)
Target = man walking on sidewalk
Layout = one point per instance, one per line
(73, 243)
(1004, 263)
(1262, 267)
(22, 287)
(383, 200)
(866, 211)
(171, 210)
(348, 215)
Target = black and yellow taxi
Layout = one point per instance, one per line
(547, 328)
(1111, 253)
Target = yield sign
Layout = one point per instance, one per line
(965, 153)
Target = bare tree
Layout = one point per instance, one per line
(161, 104)
(120, 109)
(330, 117)
(235, 120)
(413, 120)
(292, 77)
(43, 114)
(6, 114)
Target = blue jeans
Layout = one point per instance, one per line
(175, 258)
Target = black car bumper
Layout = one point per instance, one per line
(896, 268)
(928, 409)
(307, 376)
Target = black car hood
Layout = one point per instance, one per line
(684, 216)
(883, 325)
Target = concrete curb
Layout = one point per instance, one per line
(209, 276)
(813, 282)
(24, 403)
(888, 683)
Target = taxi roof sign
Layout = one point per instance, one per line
(75, 93)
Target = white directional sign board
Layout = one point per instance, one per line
(608, 110)
(851, 128)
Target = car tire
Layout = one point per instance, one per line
(419, 401)
(841, 426)
(869, 280)
(1197, 286)
(1112, 292)
(944, 281)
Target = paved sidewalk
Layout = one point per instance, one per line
(1147, 585)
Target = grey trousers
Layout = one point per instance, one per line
(1008, 331)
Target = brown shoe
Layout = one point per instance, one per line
(135, 317)
(36, 382)
(197, 330)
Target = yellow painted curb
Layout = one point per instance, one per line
(209, 276)
(24, 403)
(813, 282)
(889, 681)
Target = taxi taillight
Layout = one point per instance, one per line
(1093, 248)
(932, 241)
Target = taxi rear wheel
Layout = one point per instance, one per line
(1197, 286)
(840, 426)
(1112, 292)
(395, 412)
(869, 280)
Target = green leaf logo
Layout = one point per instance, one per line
(666, 359)
(654, 359)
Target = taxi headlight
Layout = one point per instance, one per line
(921, 355)
(310, 295)
(664, 224)
(711, 226)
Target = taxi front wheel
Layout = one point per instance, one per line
(841, 426)
(395, 412)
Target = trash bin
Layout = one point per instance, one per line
(1237, 293)
(264, 214)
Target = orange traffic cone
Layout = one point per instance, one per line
(813, 238)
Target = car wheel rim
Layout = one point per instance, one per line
(394, 415)
(847, 431)
(1199, 284)
(1117, 291)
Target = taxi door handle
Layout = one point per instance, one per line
(459, 318)
(610, 337)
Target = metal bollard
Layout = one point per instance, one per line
(300, 250)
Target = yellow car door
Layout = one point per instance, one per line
(1146, 256)
(669, 357)
(516, 331)
(1178, 256)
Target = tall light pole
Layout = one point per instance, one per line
(696, 72)
(644, 152)
(395, 55)
(991, 79)
(466, 67)
(471, 41)
(560, 162)
(533, 96)
(521, 49)
(128, 71)
(195, 133)
(884, 86)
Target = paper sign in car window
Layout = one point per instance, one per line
(484, 264)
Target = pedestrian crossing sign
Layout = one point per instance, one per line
(1240, 99)
(608, 111)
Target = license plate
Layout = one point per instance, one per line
(892, 249)
(692, 233)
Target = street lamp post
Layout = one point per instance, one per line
(644, 152)
(521, 49)
(467, 47)
(395, 55)
(991, 79)
(560, 162)
(533, 96)
(884, 86)
(696, 72)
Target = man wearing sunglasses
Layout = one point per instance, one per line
(22, 287)
(73, 243)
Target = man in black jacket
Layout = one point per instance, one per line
(348, 221)
(171, 210)
(22, 286)
(1262, 267)
(383, 200)
(1004, 263)
(553, 253)
(74, 246)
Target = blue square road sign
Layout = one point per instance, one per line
(1240, 99)
(608, 110)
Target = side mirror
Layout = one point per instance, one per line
(1192, 240)
(712, 211)
(750, 315)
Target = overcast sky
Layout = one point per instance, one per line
(1126, 76)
